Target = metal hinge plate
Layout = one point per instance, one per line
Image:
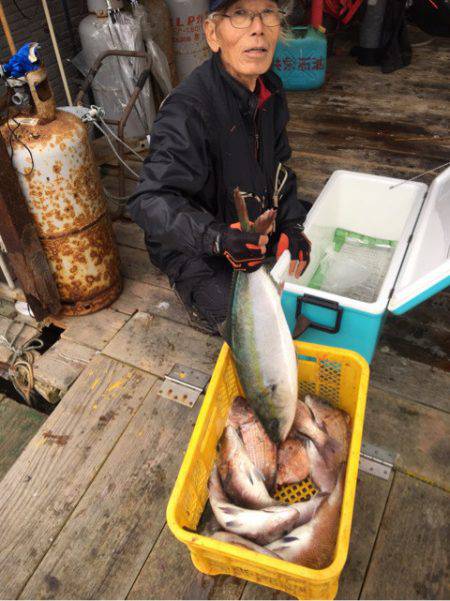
(376, 461)
(183, 385)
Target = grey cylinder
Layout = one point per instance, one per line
(372, 24)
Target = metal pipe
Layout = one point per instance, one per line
(6, 29)
(57, 53)
(6, 272)
(69, 25)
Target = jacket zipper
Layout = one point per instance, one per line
(255, 126)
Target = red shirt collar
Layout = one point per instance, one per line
(263, 94)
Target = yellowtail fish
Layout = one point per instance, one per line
(263, 349)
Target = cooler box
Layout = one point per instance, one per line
(374, 249)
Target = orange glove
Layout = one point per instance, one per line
(244, 250)
(293, 239)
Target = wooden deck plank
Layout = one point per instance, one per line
(426, 342)
(419, 434)
(94, 330)
(168, 557)
(155, 344)
(410, 559)
(135, 265)
(18, 424)
(114, 527)
(371, 122)
(139, 296)
(44, 486)
(168, 572)
(129, 234)
(7, 308)
(58, 368)
(410, 379)
(371, 497)
(14, 332)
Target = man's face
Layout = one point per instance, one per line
(246, 52)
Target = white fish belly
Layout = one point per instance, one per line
(274, 345)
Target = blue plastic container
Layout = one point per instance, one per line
(301, 61)
(416, 217)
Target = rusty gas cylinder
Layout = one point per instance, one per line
(60, 181)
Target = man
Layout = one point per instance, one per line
(222, 128)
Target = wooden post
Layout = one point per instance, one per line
(4, 22)
(22, 243)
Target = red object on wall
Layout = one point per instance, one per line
(343, 10)
(316, 13)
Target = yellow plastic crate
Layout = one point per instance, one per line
(338, 375)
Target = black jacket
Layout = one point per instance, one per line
(208, 138)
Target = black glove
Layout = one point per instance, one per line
(244, 250)
(293, 239)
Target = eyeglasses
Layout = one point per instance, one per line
(241, 18)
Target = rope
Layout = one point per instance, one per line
(21, 360)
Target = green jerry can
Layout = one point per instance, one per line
(301, 60)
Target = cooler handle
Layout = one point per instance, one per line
(319, 302)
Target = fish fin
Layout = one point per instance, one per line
(280, 271)
(329, 450)
(229, 510)
(273, 509)
(277, 550)
(321, 495)
(289, 539)
(259, 475)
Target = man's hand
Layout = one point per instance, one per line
(244, 250)
(293, 239)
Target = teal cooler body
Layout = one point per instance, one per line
(413, 215)
(334, 325)
(301, 62)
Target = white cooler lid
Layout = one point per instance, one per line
(426, 268)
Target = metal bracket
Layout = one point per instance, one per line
(183, 384)
(376, 461)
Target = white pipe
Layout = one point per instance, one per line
(57, 54)
(6, 272)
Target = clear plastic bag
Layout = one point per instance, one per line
(159, 64)
(355, 271)
(117, 77)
